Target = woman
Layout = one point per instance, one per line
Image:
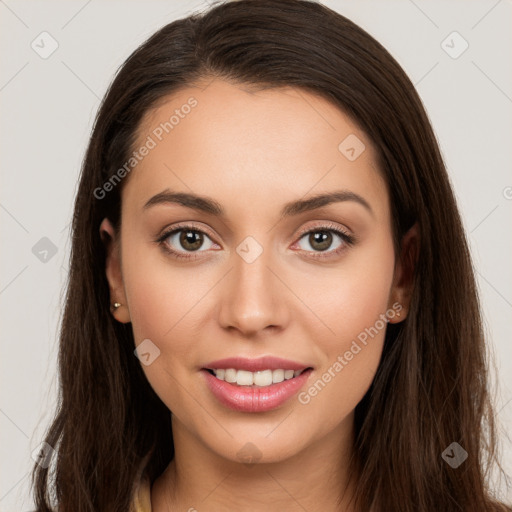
(271, 302)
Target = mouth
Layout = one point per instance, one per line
(257, 379)
(255, 392)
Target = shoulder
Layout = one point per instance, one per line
(142, 495)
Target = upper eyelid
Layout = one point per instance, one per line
(327, 225)
(184, 226)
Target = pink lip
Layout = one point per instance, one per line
(254, 398)
(255, 365)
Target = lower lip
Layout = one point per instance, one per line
(255, 399)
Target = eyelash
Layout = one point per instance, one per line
(348, 240)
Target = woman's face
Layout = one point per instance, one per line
(245, 279)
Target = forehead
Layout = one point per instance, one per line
(251, 149)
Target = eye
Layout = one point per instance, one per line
(320, 239)
(185, 239)
(182, 241)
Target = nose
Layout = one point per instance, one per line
(253, 298)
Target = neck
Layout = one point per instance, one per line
(315, 478)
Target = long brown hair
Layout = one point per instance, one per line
(431, 388)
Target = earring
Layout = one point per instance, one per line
(116, 305)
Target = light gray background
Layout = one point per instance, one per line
(47, 109)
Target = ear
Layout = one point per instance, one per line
(113, 271)
(403, 280)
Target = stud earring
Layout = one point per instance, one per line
(116, 305)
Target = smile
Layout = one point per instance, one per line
(261, 378)
(246, 395)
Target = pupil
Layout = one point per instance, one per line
(191, 240)
(323, 239)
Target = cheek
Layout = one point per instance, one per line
(166, 316)
(351, 296)
(161, 295)
(162, 302)
(353, 304)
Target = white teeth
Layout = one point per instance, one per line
(244, 378)
(261, 378)
(230, 375)
(277, 375)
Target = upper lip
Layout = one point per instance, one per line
(255, 365)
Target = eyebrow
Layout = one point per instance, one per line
(210, 206)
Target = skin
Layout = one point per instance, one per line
(253, 152)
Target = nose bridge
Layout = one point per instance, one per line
(253, 298)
